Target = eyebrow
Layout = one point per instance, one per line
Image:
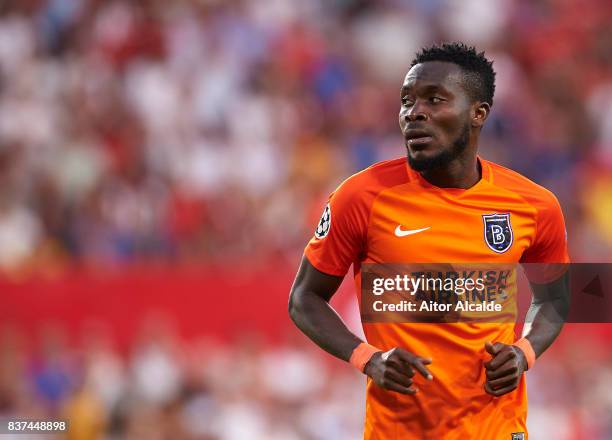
(427, 89)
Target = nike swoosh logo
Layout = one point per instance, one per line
(399, 232)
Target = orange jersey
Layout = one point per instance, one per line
(371, 218)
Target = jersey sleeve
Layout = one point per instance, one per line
(549, 248)
(340, 236)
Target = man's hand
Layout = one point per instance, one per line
(504, 371)
(393, 370)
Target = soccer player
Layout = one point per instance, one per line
(443, 204)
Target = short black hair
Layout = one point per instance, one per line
(478, 70)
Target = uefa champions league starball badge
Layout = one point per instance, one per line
(324, 224)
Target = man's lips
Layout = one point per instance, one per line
(417, 137)
(419, 141)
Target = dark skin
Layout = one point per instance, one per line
(434, 102)
(436, 113)
(310, 310)
(544, 321)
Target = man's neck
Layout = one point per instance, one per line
(461, 173)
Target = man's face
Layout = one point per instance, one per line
(435, 114)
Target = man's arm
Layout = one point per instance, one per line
(543, 323)
(311, 312)
(547, 313)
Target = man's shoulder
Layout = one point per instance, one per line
(533, 193)
(376, 177)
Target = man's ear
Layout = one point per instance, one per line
(480, 114)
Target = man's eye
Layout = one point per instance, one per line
(436, 100)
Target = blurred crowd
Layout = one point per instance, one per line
(169, 389)
(165, 388)
(213, 129)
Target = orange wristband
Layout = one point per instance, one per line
(527, 349)
(362, 354)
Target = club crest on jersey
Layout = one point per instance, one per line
(324, 224)
(498, 232)
(518, 436)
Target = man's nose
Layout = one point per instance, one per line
(415, 113)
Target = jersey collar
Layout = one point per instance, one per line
(416, 178)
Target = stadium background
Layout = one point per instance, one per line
(162, 165)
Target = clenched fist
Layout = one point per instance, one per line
(505, 369)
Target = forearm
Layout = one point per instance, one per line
(543, 324)
(319, 321)
(547, 314)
